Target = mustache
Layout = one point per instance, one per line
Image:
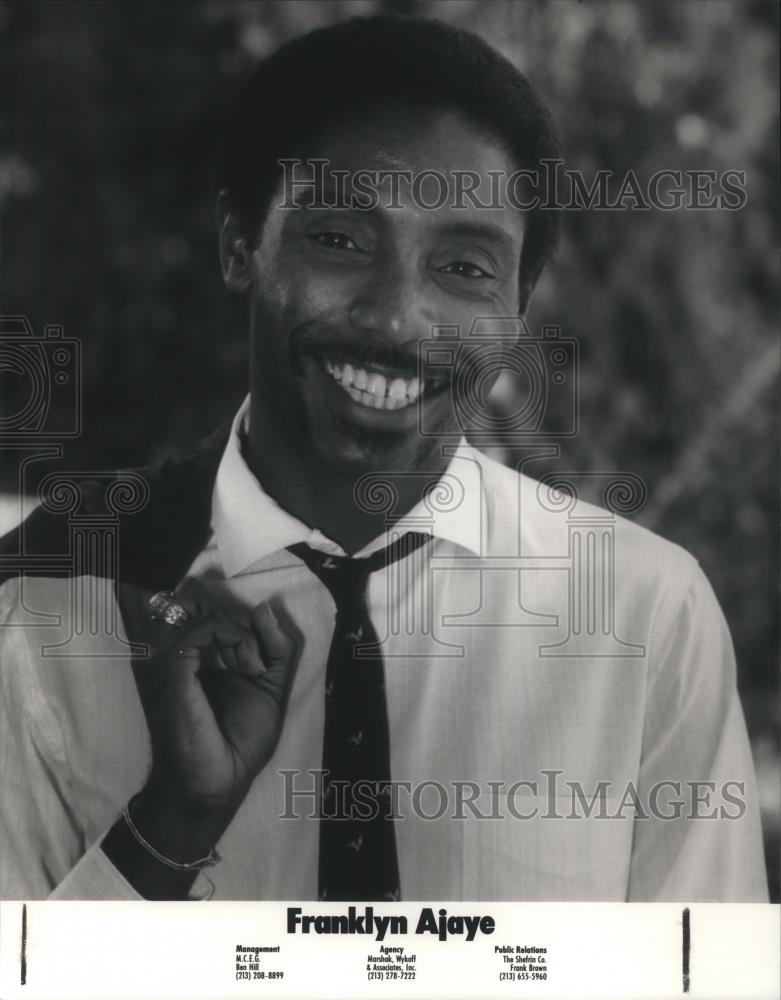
(356, 352)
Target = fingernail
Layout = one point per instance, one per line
(268, 612)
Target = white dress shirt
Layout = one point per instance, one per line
(541, 658)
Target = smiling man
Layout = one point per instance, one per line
(380, 665)
(343, 299)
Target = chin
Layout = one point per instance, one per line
(341, 447)
(384, 456)
(358, 452)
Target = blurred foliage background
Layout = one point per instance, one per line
(110, 113)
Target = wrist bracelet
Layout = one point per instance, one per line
(209, 861)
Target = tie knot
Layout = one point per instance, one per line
(346, 577)
(336, 572)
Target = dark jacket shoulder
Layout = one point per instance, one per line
(155, 539)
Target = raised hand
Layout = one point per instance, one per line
(214, 691)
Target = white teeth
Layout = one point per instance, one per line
(373, 389)
(397, 389)
(377, 384)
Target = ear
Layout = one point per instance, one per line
(234, 252)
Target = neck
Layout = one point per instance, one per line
(322, 497)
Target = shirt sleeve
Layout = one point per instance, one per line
(42, 848)
(94, 877)
(700, 838)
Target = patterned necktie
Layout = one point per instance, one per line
(358, 858)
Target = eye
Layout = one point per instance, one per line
(464, 269)
(335, 241)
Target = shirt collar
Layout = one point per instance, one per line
(249, 525)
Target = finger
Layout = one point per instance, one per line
(219, 657)
(197, 634)
(194, 597)
(229, 637)
(249, 660)
(278, 653)
(225, 644)
(195, 637)
(140, 625)
(213, 627)
(276, 647)
(227, 631)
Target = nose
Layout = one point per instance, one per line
(392, 303)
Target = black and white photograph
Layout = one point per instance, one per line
(389, 487)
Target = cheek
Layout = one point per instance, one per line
(294, 294)
(473, 302)
(464, 315)
(504, 301)
(272, 292)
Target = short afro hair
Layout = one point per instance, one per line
(346, 68)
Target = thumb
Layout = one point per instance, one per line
(276, 646)
(277, 650)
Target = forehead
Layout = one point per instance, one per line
(420, 161)
(400, 138)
